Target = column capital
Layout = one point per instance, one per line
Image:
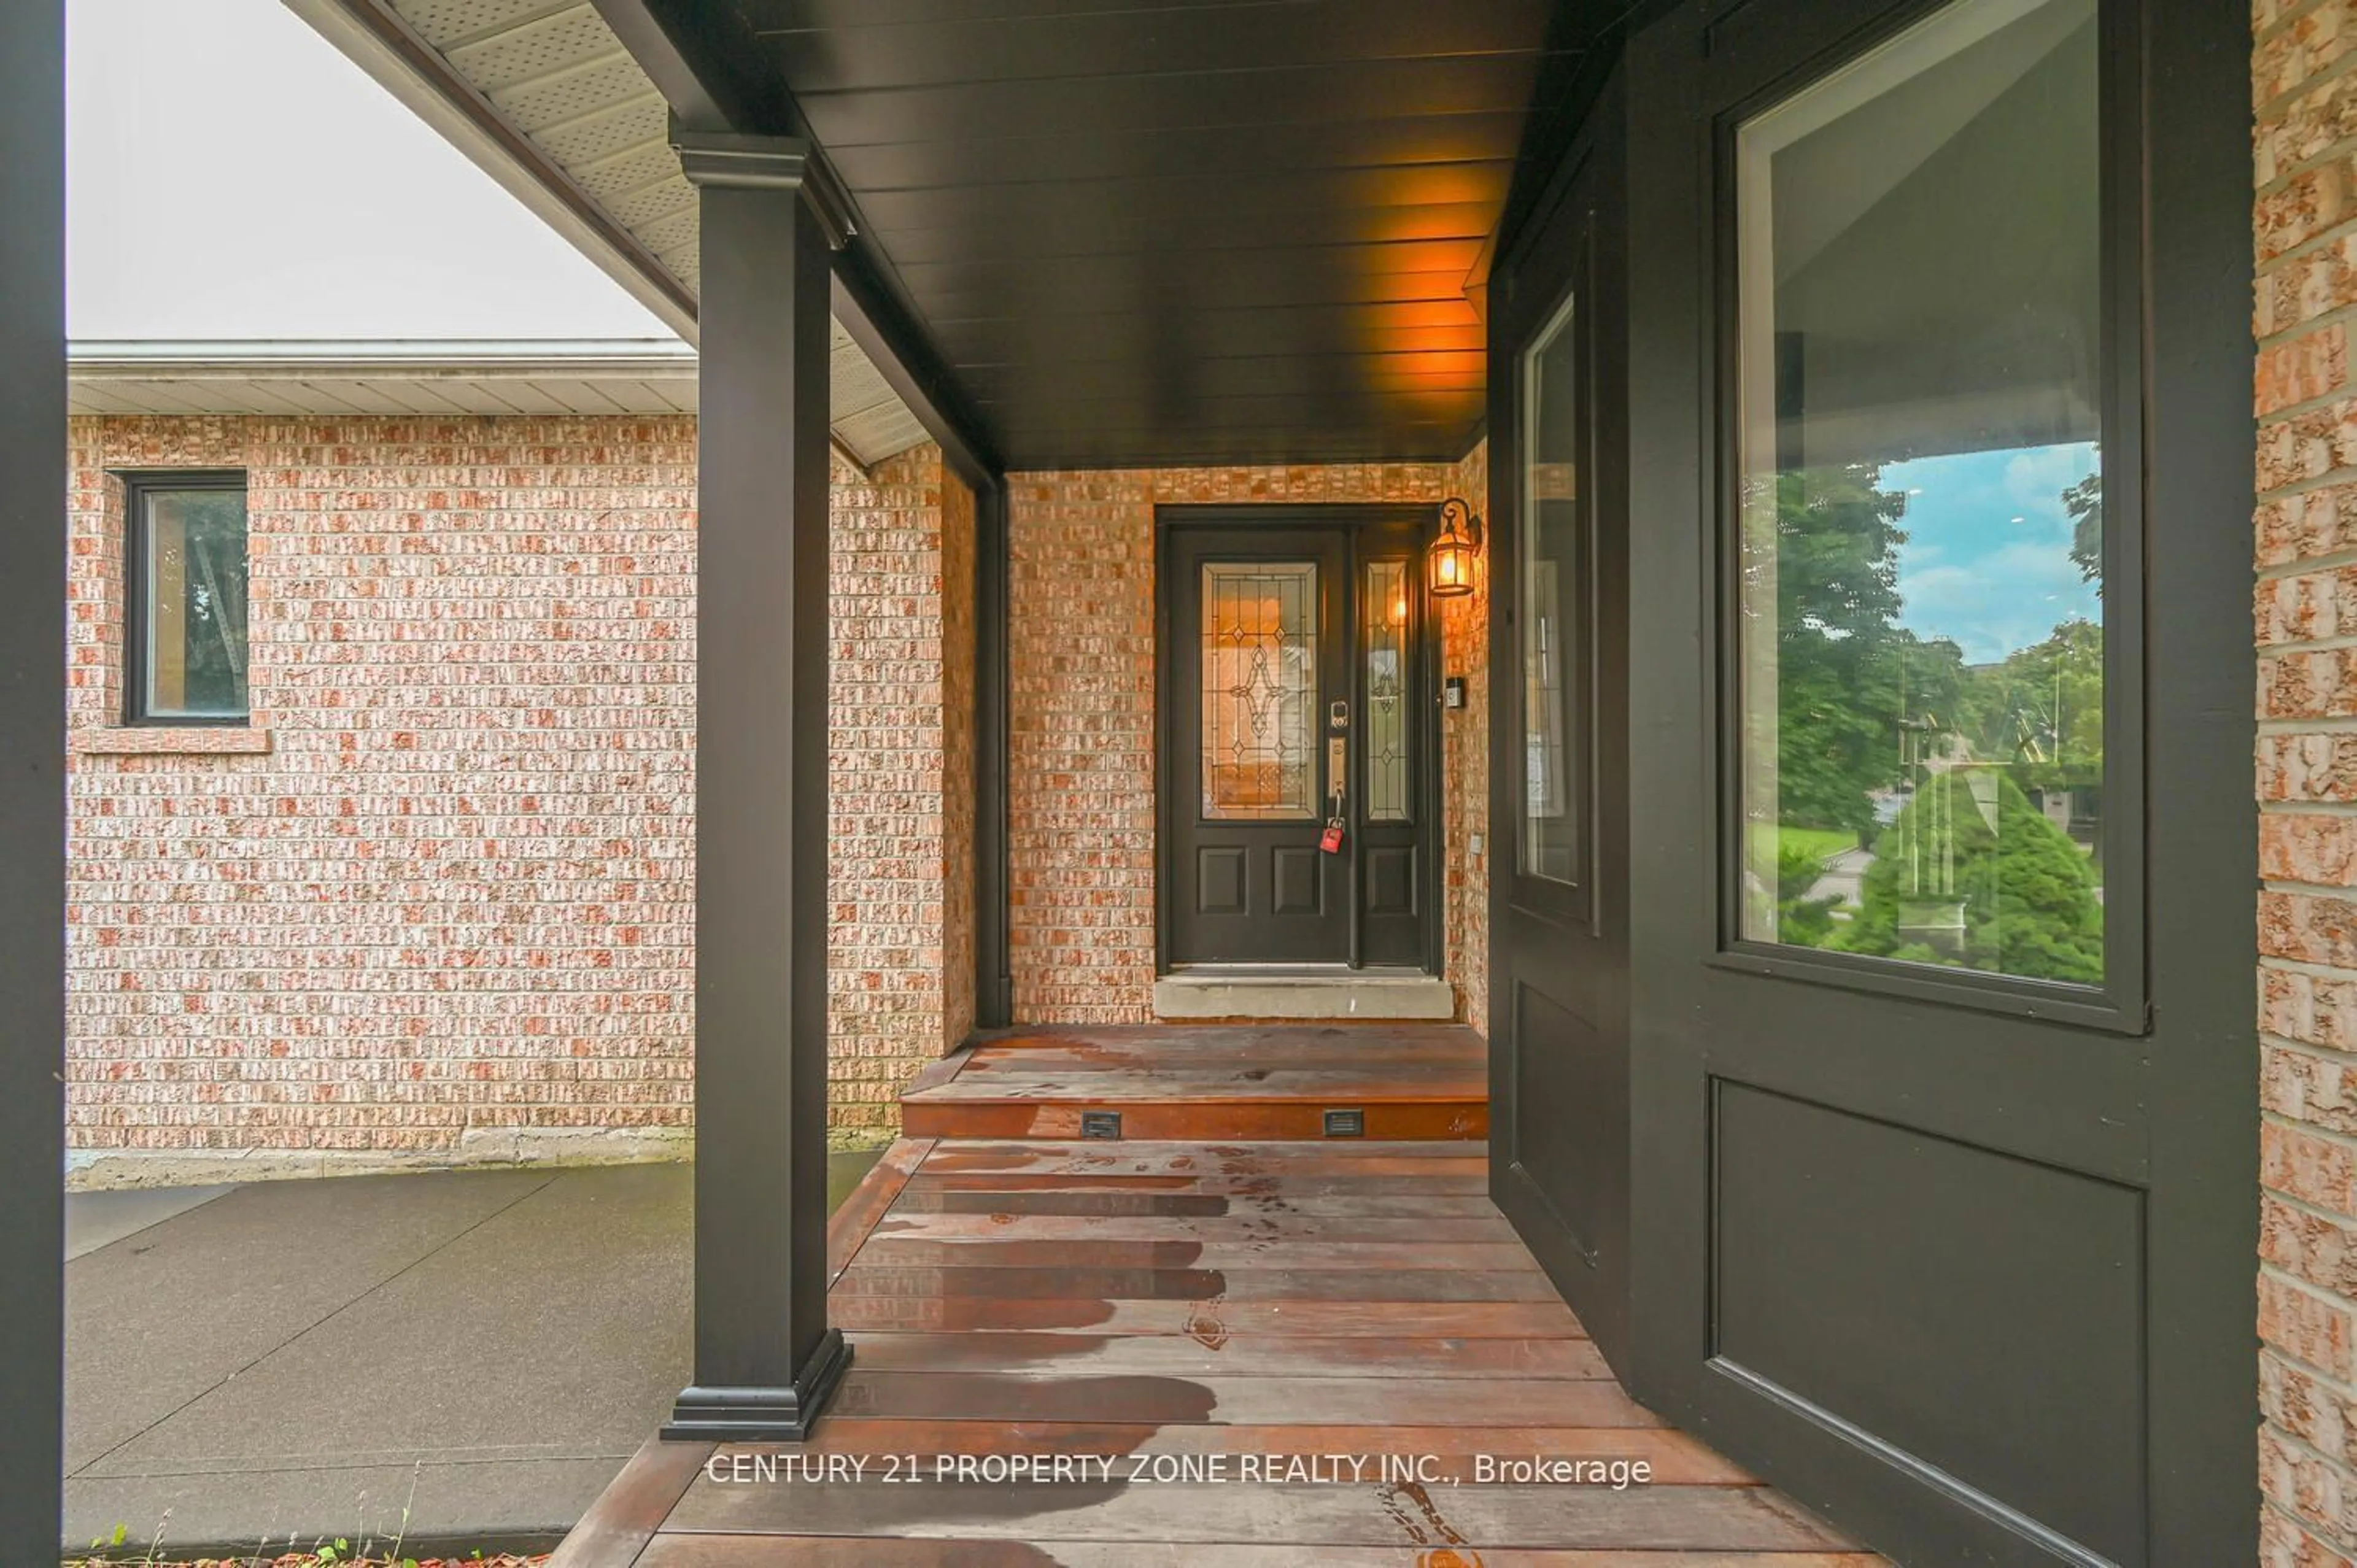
(733, 160)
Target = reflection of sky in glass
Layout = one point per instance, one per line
(1987, 558)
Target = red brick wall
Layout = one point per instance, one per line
(1465, 771)
(1080, 742)
(2304, 232)
(447, 914)
(900, 967)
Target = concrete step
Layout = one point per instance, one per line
(1204, 994)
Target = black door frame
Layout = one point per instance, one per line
(2188, 111)
(1425, 517)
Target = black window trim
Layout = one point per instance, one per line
(1572, 300)
(138, 484)
(2121, 1004)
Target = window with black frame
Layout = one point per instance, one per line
(1921, 633)
(1551, 588)
(185, 573)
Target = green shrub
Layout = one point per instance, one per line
(2027, 894)
(1801, 920)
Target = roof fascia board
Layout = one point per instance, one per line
(895, 345)
(265, 359)
(374, 36)
(700, 57)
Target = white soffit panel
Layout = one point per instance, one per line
(555, 76)
(415, 378)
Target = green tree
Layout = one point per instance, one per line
(2043, 709)
(2085, 503)
(1836, 538)
(1971, 848)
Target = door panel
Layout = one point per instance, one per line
(1299, 687)
(1298, 883)
(1927, 1217)
(1559, 1044)
(1566, 1182)
(1257, 655)
(1884, 1273)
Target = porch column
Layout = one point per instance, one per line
(766, 1359)
(32, 783)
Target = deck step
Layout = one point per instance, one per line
(1336, 1083)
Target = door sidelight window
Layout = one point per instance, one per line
(1920, 640)
(1384, 612)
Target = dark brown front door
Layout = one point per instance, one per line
(1299, 697)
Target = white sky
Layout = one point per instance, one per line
(230, 175)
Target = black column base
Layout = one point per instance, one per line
(762, 1415)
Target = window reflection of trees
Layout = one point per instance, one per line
(1923, 807)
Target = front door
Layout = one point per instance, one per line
(1297, 764)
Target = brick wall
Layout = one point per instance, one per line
(900, 966)
(448, 914)
(2304, 232)
(1465, 771)
(954, 647)
(1080, 742)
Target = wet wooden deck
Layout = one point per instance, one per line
(1297, 1314)
(1409, 1080)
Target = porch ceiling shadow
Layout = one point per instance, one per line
(1214, 230)
(1134, 232)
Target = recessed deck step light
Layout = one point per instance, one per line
(1346, 1123)
(1100, 1123)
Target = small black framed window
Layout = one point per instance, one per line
(184, 598)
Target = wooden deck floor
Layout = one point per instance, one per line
(1281, 1309)
(1219, 1082)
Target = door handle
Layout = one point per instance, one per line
(1337, 752)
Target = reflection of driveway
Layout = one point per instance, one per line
(1844, 876)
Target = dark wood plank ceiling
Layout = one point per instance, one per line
(1187, 232)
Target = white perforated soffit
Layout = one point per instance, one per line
(556, 74)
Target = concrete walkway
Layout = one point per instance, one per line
(285, 1361)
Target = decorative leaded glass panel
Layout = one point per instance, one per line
(1384, 614)
(1260, 691)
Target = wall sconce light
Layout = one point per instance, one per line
(1449, 565)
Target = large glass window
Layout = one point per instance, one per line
(1550, 586)
(1922, 585)
(187, 573)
